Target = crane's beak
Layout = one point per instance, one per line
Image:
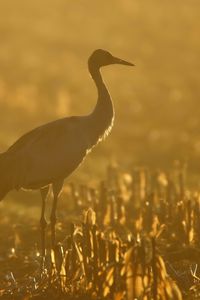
(120, 61)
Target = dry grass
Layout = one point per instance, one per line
(138, 238)
(146, 222)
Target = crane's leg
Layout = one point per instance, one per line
(43, 223)
(57, 187)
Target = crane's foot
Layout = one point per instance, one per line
(43, 269)
(43, 225)
(53, 246)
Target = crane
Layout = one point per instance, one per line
(48, 154)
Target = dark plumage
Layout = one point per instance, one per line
(49, 153)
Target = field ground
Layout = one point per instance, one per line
(135, 236)
(43, 76)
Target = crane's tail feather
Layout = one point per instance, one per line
(5, 182)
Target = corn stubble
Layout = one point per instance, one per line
(138, 238)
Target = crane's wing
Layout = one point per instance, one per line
(48, 153)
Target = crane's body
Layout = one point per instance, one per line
(47, 153)
(50, 153)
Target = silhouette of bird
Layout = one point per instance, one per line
(48, 154)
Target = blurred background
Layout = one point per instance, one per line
(43, 75)
(44, 47)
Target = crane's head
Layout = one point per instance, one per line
(101, 58)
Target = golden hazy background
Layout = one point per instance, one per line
(44, 48)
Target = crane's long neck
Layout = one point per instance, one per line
(103, 114)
